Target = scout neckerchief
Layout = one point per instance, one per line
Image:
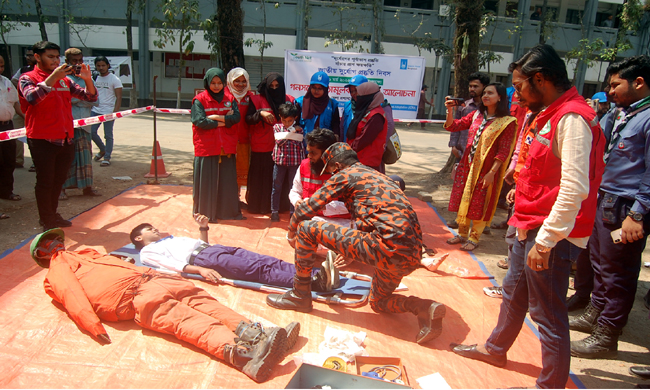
(616, 133)
(477, 137)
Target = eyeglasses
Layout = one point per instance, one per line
(517, 86)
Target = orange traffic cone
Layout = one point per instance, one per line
(157, 161)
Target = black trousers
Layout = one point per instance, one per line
(7, 163)
(52, 164)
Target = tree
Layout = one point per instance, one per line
(41, 19)
(345, 34)
(179, 17)
(487, 57)
(587, 52)
(132, 6)
(466, 42)
(224, 32)
(630, 19)
(9, 23)
(262, 44)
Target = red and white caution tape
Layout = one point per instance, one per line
(17, 133)
(173, 110)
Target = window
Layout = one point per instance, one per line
(511, 9)
(574, 16)
(422, 4)
(491, 6)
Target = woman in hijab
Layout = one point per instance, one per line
(239, 88)
(215, 142)
(262, 114)
(367, 131)
(318, 109)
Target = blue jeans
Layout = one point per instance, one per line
(544, 294)
(280, 174)
(108, 135)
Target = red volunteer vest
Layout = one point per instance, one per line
(241, 127)
(261, 134)
(372, 154)
(539, 179)
(51, 118)
(211, 142)
(312, 183)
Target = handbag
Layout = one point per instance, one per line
(393, 149)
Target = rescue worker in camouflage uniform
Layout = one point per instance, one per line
(388, 237)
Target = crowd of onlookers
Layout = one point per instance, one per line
(575, 175)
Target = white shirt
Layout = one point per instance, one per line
(171, 252)
(8, 97)
(572, 145)
(106, 93)
(335, 207)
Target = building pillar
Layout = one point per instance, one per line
(64, 28)
(445, 70)
(301, 24)
(588, 20)
(144, 64)
(522, 20)
(375, 40)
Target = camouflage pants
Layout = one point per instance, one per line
(390, 266)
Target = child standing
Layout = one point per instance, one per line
(287, 153)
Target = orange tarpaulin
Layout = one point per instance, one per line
(41, 347)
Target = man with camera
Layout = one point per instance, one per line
(45, 98)
(458, 140)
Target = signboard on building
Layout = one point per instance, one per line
(400, 77)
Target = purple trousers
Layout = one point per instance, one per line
(240, 264)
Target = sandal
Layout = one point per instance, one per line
(456, 240)
(469, 246)
(13, 197)
(4, 216)
(63, 196)
(99, 156)
(105, 163)
(503, 264)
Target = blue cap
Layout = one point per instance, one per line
(601, 96)
(320, 78)
(357, 80)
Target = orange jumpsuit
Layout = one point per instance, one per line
(94, 287)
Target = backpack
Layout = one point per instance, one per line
(393, 150)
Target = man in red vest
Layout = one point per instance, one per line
(555, 208)
(45, 98)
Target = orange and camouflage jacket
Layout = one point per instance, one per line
(376, 204)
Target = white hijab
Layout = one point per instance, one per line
(234, 74)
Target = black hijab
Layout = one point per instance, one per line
(275, 97)
(367, 99)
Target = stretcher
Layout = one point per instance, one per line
(352, 292)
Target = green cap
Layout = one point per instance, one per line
(36, 243)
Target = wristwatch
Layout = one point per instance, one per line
(635, 216)
(542, 249)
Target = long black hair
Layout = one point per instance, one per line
(503, 106)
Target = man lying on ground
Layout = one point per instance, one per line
(197, 256)
(94, 287)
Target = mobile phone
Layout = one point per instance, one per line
(458, 101)
(616, 236)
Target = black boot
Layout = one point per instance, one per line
(577, 302)
(585, 322)
(257, 360)
(298, 299)
(254, 332)
(602, 344)
(430, 314)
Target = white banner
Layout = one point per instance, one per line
(400, 77)
(120, 66)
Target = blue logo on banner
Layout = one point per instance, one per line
(403, 63)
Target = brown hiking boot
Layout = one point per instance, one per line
(254, 332)
(257, 361)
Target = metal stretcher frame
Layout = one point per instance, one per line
(354, 290)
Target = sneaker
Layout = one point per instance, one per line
(493, 292)
(275, 217)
